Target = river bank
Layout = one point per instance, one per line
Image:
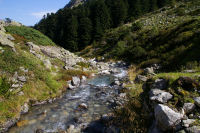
(88, 102)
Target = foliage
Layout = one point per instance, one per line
(154, 38)
(29, 34)
(75, 29)
(4, 86)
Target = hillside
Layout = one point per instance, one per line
(169, 36)
(75, 28)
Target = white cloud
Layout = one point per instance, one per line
(42, 13)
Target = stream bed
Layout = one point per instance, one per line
(96, 94)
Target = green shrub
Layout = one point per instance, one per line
(119, 49)
(136, 26)
(180, 11)
(4, 87)
(52, 84)
(83, 64)
(30, 34)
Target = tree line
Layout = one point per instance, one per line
(76, 28)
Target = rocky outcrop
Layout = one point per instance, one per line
(74, 3)
(166, 118)
(6, 39)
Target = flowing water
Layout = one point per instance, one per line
(95, 93)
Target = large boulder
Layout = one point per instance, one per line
(166, 118)
(188, 122)
(189, 107)
(159, 96)
(4, 40)
(160, 84)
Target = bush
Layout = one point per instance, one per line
(4, 87)
(180, 12)
(136, 26)
(120, 49)
(30, 34)
(138, 51)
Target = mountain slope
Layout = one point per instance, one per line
(76, 28)
(164, 36)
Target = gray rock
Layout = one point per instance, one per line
(21, 93)
(122, 95)
(160, 84)
(159, 95)
(194, 129)
(140, 78)
(22, 78)
(189, 107)
(24, 109)
(188, 122)
(166, 118)
(9, 37)
(105, 72)
(117, 82)
(23, 69)
(15, 85)
(197, 101)
(47, 63)
(5, 41)
(76, 81)
(33, 47)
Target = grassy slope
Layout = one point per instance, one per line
(164, 36)
(41, 84)
(29, 34)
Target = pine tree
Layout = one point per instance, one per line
(98, 30)
(153, 5)
(119, 12)
(85, 29)
(71, 34)
(101, 13)
(134, 8)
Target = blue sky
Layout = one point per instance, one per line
(29, 12)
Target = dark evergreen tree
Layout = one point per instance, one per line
(153, 5)
(134, 8)
(119, 12)
(71, 34)
(85, 29)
